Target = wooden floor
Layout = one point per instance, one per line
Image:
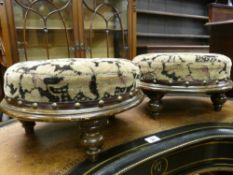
(55, 148)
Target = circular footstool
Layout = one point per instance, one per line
(184, 73)
(87, 91)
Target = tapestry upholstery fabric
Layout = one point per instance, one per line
(180, 67)
(66, 80)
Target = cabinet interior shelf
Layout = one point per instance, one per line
(161, 35)
(171, 14)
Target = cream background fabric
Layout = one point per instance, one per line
(65, 80)
(184, 66)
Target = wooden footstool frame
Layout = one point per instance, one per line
(87, 91)
(91, 119)
(156, 92)
(184, 72)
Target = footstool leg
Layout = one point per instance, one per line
(155, 104)
(218, 100)
(112, 118)
(28, 126)
(92, 138)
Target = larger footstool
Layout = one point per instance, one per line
(184, 73)
(86, 91)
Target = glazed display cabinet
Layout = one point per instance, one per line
(47, 29)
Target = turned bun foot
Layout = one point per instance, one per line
(92, 138)
(112, 118)
(155, 103)
(218, 100)
(28, 126)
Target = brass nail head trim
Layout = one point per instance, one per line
(119, 98)
(187, 83)
(101, 103)
(35, 105)
(54, 105)
(170, 81)
(19, 102)
(131, 94)
(216, 81)
(154, 81)
(204, 82)
(77, 105)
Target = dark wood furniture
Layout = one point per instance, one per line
(172, 25)
(219, 12)
(170, 153)
(221, 31)
(156, 92)
(54, 147)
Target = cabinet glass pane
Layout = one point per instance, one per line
(106, 28)
(44, 29)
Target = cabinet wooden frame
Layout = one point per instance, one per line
(10, 33)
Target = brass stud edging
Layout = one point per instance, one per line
(187, 83)
(131, 94)
(204, 82)
(119, 98)
(35, 105)
(54, 105)
(101, 103)
(72, 104)
(77, 105)
(19, 102)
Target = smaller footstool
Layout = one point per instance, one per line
(87, 91)
(163, 73)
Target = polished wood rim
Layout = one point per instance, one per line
(221, 86)
(69, 115)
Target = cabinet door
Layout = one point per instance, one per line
(45, 29)
(105, 27)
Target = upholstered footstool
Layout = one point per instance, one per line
(184, 73)
(87, 91)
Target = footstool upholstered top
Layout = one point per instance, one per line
(183, 67)
(70, 80)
